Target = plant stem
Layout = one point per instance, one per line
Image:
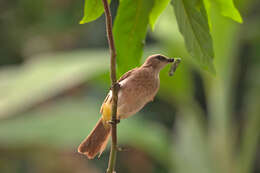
(113, 151)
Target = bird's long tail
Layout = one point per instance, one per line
(96, 141)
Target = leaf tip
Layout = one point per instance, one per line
(83, 21)
(240, 19)
(236, 17)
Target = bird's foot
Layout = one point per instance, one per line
(114, 122)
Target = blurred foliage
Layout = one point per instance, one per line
(66, 134)
(50, 98)
(46, 76)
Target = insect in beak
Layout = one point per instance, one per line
(174, 66)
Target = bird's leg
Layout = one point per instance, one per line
(116, 86)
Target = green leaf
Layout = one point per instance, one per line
(158, 8)
(193, 24)
(130, 30)
(228, 9)
(93, 9)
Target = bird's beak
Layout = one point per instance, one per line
(170, 60)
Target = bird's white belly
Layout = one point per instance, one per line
(126, 110)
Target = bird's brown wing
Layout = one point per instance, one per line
(124, 76)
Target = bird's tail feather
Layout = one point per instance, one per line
(96, 141)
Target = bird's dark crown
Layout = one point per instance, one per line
(162, 58)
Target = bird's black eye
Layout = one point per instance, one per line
(161, 58)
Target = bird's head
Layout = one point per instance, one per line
(157, 61)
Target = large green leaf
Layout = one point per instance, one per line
(46, 76)
(129, 31)
(93, 9)
(228, 9)
(193, 25)
(158, 8)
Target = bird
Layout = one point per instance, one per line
(137, 87)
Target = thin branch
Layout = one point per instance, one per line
(113, 151)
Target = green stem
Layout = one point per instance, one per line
(112, 157)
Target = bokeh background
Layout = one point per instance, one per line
(54, 75)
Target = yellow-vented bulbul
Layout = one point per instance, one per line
(137, 87)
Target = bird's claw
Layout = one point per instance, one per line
(114, 122)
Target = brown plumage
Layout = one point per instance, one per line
(137, 87)
(96, 141)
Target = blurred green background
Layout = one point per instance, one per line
(54, 76)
